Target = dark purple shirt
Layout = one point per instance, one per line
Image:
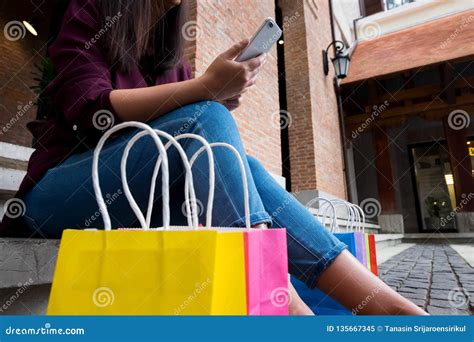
(81, 87)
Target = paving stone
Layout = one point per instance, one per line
(444, 286)
(448, 304)
(412, 290)
(416, 284)
(433, 310)
(426, 275)
(416, 276)
(444, 278)
(469, 288)
(467, 277)
(439, 295)
(412, 295)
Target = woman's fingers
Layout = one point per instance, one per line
(256, 62)
(234, 50)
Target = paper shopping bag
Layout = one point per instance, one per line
(267, 272)
(361, 253)
(373, 254)
(146, 272)
(356, 244)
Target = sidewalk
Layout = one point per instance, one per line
(435, 277)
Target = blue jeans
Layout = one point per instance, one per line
(64, 198)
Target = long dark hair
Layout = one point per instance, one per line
(143, 28)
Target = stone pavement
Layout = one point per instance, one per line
(435, 277)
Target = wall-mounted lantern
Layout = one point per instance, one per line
(340, 61)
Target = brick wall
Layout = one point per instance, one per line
(17, 61)
(220, 24)
(315, 146)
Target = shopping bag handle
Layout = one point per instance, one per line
(338, 202)
(333, 224)
(192, 221)
(95, 172)
(210, 199)
(244, 181)
(362, 216)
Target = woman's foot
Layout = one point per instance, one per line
(355, 287)
(297, 307)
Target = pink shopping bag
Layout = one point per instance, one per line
(267, 271)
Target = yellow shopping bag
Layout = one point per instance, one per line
(145, 272)
(151, 271)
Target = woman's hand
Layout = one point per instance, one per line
(232, 103)
(226, 80)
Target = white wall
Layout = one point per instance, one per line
(409, 15)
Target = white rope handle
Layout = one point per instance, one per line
(210, 200)
(95, 172)
(362, 214)
(332, 224)
(349, 225)
(192, 219)
(358, 218)
(244, 182)
(326, 206)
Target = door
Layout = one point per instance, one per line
(434, 187)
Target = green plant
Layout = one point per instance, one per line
(43, 75)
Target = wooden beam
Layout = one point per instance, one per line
(423, 91)
(448, 93)
(384, 171)
(411, 110)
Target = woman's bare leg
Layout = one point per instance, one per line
(351, 284)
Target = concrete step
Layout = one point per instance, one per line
(387, 240)
(439, 237)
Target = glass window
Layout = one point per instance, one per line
(391, 4)
(470, 147)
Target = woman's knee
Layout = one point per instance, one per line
(254, 163)
(214, 115)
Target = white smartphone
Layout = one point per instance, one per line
(262, 41)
